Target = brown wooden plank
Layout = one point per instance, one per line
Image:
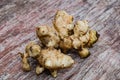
(18, 19)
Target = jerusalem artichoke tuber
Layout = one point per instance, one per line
(63, 35)
(48, 58)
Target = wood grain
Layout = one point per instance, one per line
(18, 19)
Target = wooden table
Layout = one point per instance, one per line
(18, 19)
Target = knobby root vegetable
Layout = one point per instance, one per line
(57, 40)
(66, 34)
(48, 58)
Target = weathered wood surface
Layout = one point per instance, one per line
(18, 19)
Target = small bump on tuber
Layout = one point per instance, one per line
(39, 70)
(33, 49)
(54, 73)
(25, 62)
(84, 53)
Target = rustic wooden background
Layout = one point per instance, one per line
(18, 19)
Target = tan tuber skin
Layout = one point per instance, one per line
(48, 36)
(39, 69)
(80, 34)
(48, 58)
(63, 35)
(84, 52)
(25, 62)
(63, 23)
